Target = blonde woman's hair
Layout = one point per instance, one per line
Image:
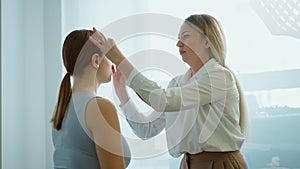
(211, 28)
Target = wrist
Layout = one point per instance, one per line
(115, 55)
(124, 101)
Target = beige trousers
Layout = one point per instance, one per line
(214, 160)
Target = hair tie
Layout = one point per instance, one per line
(68, 74)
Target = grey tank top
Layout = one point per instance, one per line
(73, 144)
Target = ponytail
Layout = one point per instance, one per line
(64, 97)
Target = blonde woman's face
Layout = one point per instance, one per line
(192, 45)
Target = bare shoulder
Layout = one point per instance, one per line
(105, 104)
(101, 111)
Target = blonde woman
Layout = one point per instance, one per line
(202, 111)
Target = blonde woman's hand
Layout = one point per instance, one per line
(119, 82)
(107, 46)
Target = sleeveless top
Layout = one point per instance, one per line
(74, 147)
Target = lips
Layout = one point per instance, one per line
(182, 52)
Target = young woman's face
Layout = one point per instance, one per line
(105, 70)
(192, 45)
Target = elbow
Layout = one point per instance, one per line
(158, 100)
(161, 101)
(167, 106)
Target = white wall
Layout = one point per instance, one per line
(12, 93)
(31, 71)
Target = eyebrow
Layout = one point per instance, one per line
(183, 33)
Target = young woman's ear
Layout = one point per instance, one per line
(96, 61)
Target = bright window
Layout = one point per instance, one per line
(263, 48)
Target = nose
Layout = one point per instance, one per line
(179, 43)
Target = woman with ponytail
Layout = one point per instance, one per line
(86, 131)
(202, 111)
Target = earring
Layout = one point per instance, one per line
(97, 66)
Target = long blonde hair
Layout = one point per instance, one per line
(212, 29)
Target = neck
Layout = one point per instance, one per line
(196, 66)
(85, 84)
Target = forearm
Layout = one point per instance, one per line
(152, 94)
(144, 127)
(147, 130)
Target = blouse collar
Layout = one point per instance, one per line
(210, 64)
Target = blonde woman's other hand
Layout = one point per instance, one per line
(119, 82)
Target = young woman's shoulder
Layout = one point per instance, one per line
(105, 104)
(101, 109)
